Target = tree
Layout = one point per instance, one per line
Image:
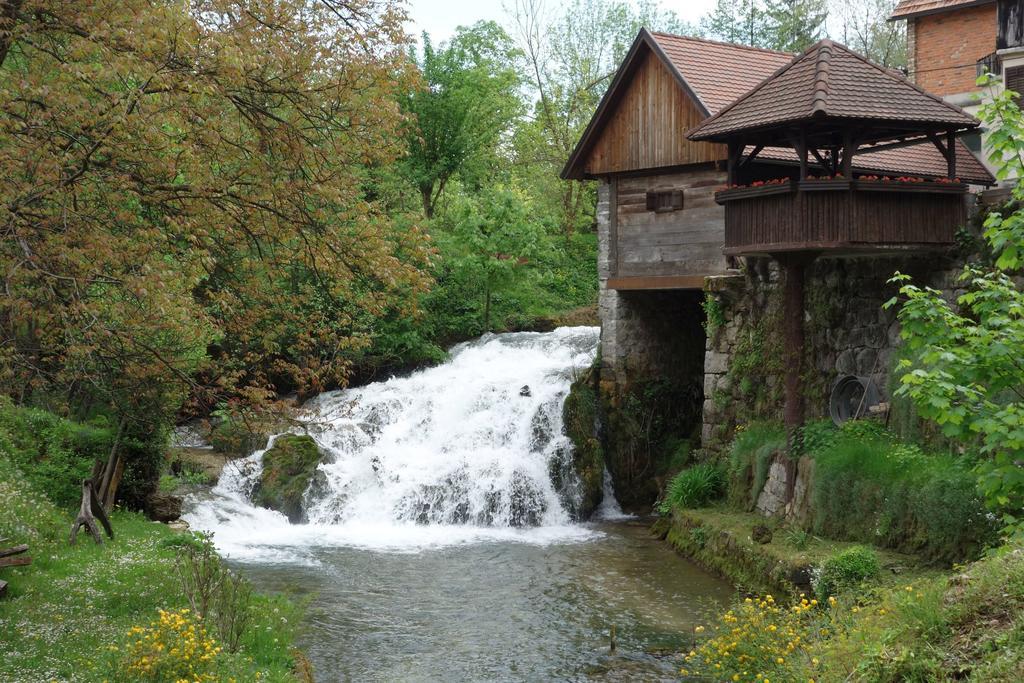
(793, 25)
(465, 109)
(490, 241)
(737, 21)
(965, 369)
(864, 26)
(181, 202)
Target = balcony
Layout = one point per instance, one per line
(842, 216)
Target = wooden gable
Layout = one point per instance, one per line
(646, 123)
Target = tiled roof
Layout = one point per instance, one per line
(922, 159)
(913, 8)
(717, 72)
(829, 80)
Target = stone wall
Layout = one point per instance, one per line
(650, 378)
(848, 332)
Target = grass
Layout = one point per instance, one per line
(694, 487)
(909, 622)
(64, 612)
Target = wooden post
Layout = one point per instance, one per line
(951, 154)
(794, 266)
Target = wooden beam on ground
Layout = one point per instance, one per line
(15, 561)
(16, 550)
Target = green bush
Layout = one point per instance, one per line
(846, 569)
(870, 487)
(695, 486)
(54, 454)
(749, 460)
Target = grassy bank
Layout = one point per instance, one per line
(70, 615)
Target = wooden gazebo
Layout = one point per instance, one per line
(828, 105)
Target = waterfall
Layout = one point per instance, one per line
(472, 448)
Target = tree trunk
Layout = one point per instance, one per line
(487, 310)
(108, 485)
(427, 193)
(88, 512)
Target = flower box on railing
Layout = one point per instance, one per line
(811, 184)
(757, 189)
(909, 184)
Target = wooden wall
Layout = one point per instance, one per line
(685, 244)
(647, 126)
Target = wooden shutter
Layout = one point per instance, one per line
(660, 202)
(1013, 77)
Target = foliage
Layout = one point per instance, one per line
(760, 640)
(172, 648)
(749, 459)
(714, 314)
(963, 369)
(183, 200)
(864, 26)
(64, 611)
(796, 538)
(489, 240)
(56, 454)
(467, 104)
(694, 487)
(868, 486)
(215, 593)
(794, 25)
(846, 570)
(962, 626)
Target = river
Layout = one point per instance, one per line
(437, 546)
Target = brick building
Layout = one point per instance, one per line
(951, 42)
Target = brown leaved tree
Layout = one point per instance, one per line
(182, 215)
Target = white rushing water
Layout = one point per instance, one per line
(470, 450)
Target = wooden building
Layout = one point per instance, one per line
(674, 221)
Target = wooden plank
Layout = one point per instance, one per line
(16, 550)
(15, 561)
(668, 282)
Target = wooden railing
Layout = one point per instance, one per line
(842, 216)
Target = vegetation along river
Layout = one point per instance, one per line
(439, 539)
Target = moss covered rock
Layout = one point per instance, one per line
(586, 462)
(288, 468)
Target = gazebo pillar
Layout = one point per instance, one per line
(793, 267)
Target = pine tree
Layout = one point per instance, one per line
(793, 25)
(737, 21)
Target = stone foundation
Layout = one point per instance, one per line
(848, 332)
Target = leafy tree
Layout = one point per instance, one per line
(469, 100)
(181, 202)
(864, 26)
(490, 241)
(966, 371)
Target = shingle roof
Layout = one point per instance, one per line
(922, 159)
(830, 81)
(913, 8)
(717, 72)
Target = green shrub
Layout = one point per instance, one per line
(870, 487)
(695, 486)
(749, 460)
(846, 569)
(53, 454)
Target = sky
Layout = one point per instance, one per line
(439, 18)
